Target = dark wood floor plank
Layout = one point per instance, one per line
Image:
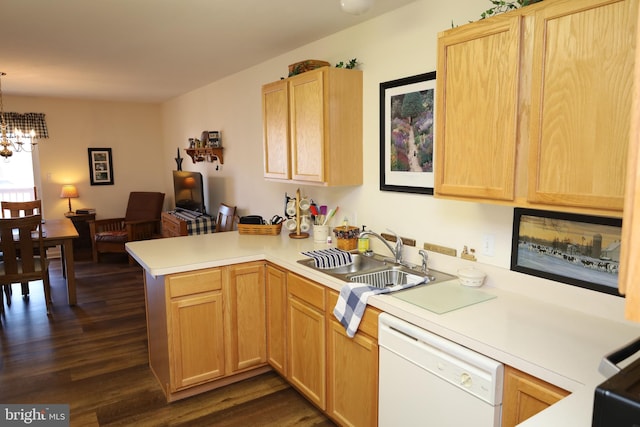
(94, 357)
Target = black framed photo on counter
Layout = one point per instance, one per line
(580, 250)
(407, 113)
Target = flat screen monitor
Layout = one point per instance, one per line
(189, 191)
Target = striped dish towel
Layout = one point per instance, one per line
(353, 301)
(330, 258)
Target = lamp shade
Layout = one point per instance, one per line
(69, 191)
(189, 182)
(356, 7)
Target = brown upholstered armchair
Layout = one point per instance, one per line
(141, 222)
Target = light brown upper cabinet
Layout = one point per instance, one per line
(533, 106)
(476, 109)
(628, 282)
(312, 128)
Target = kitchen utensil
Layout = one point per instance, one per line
(332, 212)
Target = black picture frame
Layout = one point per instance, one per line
(100, 166)
(400, 156)
(579, 250)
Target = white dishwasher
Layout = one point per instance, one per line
(426, 380)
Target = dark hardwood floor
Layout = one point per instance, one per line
(94, 357)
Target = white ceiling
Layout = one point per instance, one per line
(153, 50)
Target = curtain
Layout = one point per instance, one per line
(25, 123)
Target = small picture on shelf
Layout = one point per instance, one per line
(214, 139)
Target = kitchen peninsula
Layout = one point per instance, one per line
(558, 344)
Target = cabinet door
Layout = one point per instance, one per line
(276, 288)
(246, 328)
(352, 368)
(307, 119)
(581, 100)
(477, 106)
(196, 340)
(628, 284)
(306, 338)
(275, 122)
(525, 396)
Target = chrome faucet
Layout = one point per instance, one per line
(425, 257)
(397, 252)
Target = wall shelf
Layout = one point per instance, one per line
(202, 154)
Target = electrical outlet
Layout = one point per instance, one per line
(439, 249)
(488, 245)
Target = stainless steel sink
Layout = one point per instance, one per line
(360, 263)
(376, 270)
(388, 277)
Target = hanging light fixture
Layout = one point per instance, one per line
(5, 143)
(356, 7)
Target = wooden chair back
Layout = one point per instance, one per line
(18, 209)
(21, 241)
(144, 206)
(23, 254)
(226, 218)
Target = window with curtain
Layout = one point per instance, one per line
(25, 123)
(17, 177)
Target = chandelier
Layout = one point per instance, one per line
(6, 142)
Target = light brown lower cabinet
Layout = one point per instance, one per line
(196, 352)
(245, 321)
(206, 328)
(525, 395)
(306, 338)
(276, 296)
(352, 369)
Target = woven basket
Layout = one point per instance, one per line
(256, 229)
(307, 65)
(346, 237)
(347, 244)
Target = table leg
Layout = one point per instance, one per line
(68, 266)
(62, 262)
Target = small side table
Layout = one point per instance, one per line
(81, 245)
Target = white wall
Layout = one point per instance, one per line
(399, 44)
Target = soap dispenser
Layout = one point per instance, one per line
(363, 242)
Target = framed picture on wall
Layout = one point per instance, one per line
(407, 113)
(100, 166)
(580, 250)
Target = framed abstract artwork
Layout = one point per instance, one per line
(407, 109)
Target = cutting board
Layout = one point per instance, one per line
(443, 297)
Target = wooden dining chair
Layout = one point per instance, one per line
(18, 209)
(23, 254)
(226, 218)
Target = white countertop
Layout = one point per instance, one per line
(548, 340)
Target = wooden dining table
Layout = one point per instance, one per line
(62, 232)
